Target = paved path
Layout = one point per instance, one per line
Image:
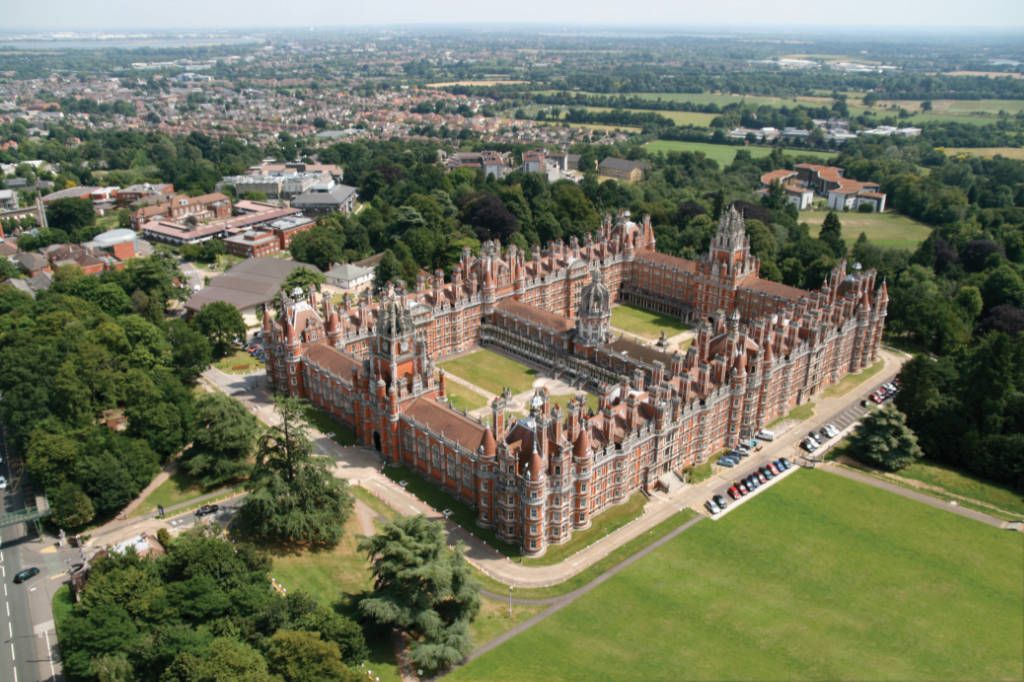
(867, 479)
(362, 466)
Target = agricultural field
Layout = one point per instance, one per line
(724, 154)
(472, 83)
(646, 324)
(680, 118)
(819, 577)
(985, 152)
(888, 230)
(491, 371)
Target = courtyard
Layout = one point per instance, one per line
(819, 577)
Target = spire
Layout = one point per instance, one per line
(489, 444)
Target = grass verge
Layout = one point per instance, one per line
(238, 362)
(342, 434)
(847, 383)
(178, 488)
(604, 523)
(583, 577)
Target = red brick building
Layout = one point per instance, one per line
(760, 349)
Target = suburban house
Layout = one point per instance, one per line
(8, 200)
(622, 169)
(326, 198)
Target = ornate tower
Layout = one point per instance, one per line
(394, 345)
(595, 313)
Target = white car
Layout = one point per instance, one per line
(3, 483)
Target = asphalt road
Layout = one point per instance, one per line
(27, 638)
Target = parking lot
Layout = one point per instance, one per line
(769, 451)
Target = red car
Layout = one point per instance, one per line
(772, 468)
(734, 493)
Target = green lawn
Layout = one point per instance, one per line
(985, 152)
(817, 578)
(328, 425)
(178, 488)
(238, 362)
(463, 398)
(888, 230)
(62, 605)
(702, 472)
(492, 371)
(563, 400)
(850, 381)
(724, 154)
(493, 619)
(646, 324)
(965, 485)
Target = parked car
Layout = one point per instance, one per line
(720, 501)
(831, 430)
(761, 478)
(726, 462)
(765, 434)
(785, 462)
(711, 507)
(207, 509)
(734, 492)
(3, 483)
(771, 466)
(766, 472)
(22, 576)
(742, 486)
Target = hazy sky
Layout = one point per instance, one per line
(92, 15)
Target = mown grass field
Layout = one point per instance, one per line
(817, 578)
(888, 230)
(492, 371)
(985, 152)
(723, 154)
(643, 323)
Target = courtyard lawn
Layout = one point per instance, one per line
(463, 398)
(492, 371)
(888, 230)
(850, 381)
(723, 154)
(646, 324)
(819, 577)
(239, 362)
(563, 400)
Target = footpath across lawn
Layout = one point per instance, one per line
(819, 577)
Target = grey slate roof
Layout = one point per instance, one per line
(251, 283)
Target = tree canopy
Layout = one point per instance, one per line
(423, 588)
(884, 440)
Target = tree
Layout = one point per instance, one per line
(388, 268)
(224, 435)
(224, 658)
(191, 353)
(70, 215)
(832, 234)
(300, 656)
(71, 507)
(423, 588)
(222, 324)
(321, 246)
(883, 439)
(293, 498)
(304, 279)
